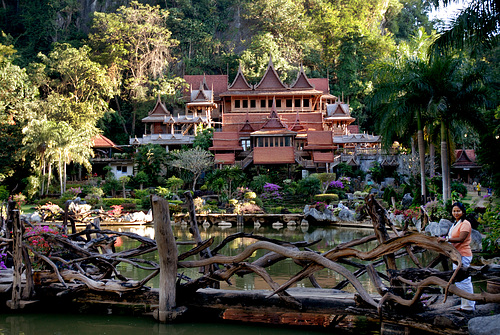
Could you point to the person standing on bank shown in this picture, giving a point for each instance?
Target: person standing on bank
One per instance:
(459, 236)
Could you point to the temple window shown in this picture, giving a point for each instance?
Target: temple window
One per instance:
(287, 142)
(278, 103)
(237, 104)
(253, 103)
(245, 103)
(297, 103)
(305, 102)
(245, 144)
(288, 102)
(263, 104)
(270, 103)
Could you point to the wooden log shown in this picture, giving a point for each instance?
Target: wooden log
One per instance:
(167, 251)
(17, 245)
(375, 278)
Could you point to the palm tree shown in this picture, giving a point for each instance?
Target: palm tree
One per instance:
(421, 90)
(399, 96)
(455, 95)
(477, 24)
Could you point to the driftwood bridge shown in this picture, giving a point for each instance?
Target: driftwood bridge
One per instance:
(79, 272)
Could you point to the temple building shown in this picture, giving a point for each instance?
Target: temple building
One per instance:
(265, 123)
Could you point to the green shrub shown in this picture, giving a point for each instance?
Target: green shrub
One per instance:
(328, 197)
(459, 187)
(4, 194)
(258, 182)
(309, 186)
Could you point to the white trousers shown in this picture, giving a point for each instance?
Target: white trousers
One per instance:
(466, 285)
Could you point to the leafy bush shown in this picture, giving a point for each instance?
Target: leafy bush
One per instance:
(4, 194)
(459, 188)
(258, 183)
(309, 186)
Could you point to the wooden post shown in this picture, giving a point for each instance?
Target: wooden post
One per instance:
(17, 245)
(167, 251)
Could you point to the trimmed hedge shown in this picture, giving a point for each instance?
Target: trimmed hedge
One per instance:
(327, 197)
(108, 202)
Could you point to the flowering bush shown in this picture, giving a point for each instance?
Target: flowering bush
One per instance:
(271, 192)
(116, 211)
(336, 184)
(410, 213)
(35, 239)
(19, 198)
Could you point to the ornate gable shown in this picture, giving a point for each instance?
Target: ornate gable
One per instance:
(202, 94)
(240, 82)
(338, 109)
(273, 120)
(302, 81)
(270, 80)
(159, 109)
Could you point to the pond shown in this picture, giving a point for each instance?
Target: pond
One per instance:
(329, 237)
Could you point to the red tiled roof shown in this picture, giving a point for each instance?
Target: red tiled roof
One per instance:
(317, 140)
(323, 157)
(217, 81)
(101, 141)
(224, 158)
(274, 155)
(320, 84)
(226, 141)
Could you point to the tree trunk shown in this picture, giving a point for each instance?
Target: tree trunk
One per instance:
(445, 164)
(421, 152)
(167, 251)
(50, 176)
(432, 154)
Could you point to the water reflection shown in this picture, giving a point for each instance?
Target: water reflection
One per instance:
(49, 324)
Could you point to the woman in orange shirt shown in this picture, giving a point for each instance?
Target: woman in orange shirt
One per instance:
(459, 236)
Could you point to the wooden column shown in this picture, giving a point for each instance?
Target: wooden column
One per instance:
(167, 251)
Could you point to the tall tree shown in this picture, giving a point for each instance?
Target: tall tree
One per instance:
(135, 44)
(400, 95)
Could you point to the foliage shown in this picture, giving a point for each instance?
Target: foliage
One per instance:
(4, 194)
(195, 160)
(309, 186)
(135, 43)
(152, 160)
(490, 225)
(458, 187)
(258, 183)
(203, 138)
(116, 210)
(325, 178)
